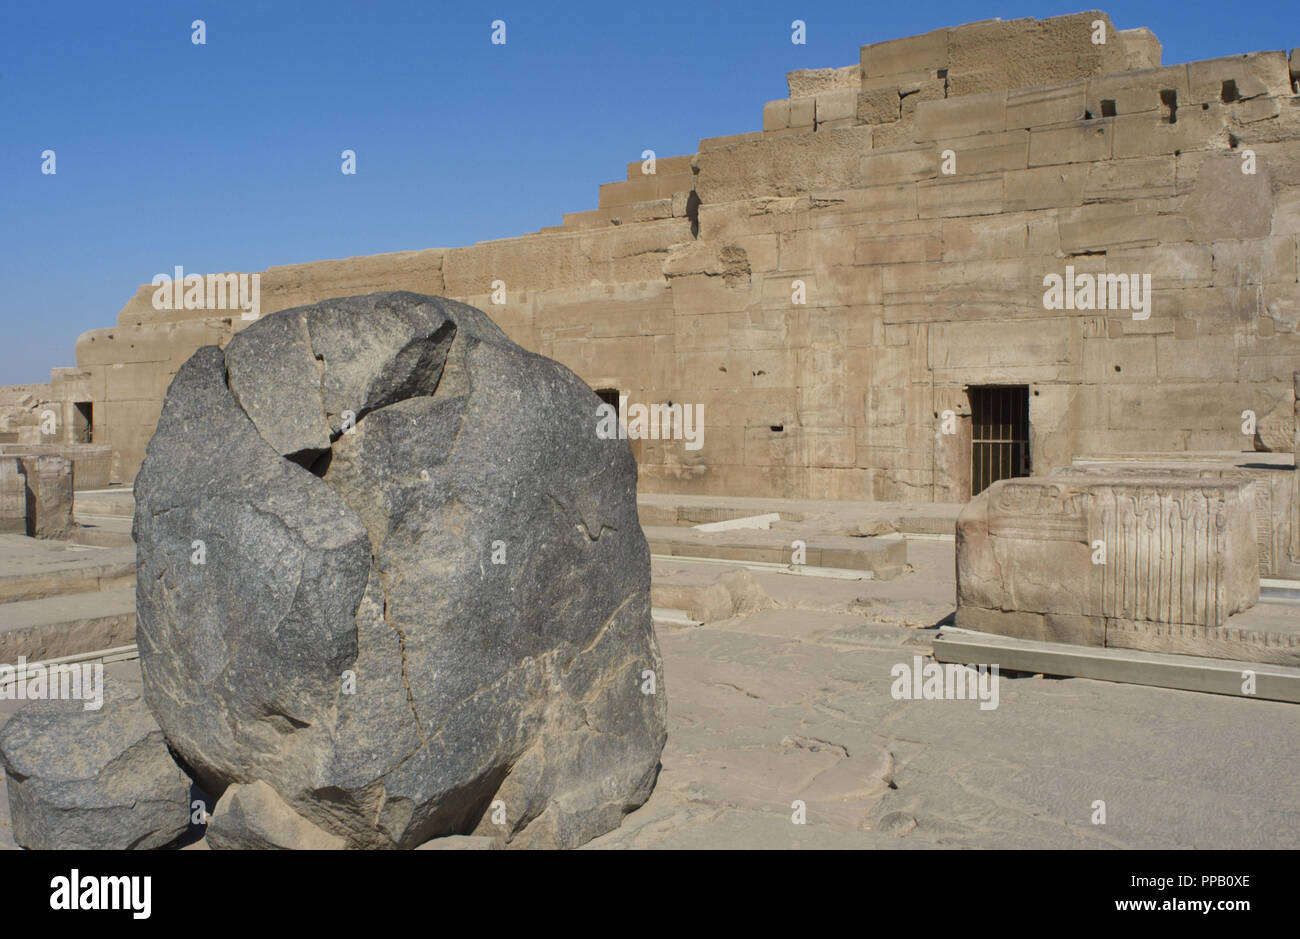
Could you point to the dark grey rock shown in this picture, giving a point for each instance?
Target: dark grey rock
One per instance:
(373, 558)
(92, 779)
(257, 371)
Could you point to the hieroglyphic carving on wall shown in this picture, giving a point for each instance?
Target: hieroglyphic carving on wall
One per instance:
(1264, 528)
(1038, 512)
(1165, 553)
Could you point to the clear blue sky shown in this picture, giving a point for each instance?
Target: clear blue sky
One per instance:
(226, 156)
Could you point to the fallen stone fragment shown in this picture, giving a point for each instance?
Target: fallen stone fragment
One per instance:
(425, 589)
(254, 817)
(461, 843)
(731, 593)
(745, 593)
(92, 779)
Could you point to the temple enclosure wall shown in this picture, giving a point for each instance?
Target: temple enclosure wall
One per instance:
(829, 287)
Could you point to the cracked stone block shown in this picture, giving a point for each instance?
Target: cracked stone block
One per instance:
(1068, 556)
(425, 588)
(255, 818)
(83, 778)
(461, 843)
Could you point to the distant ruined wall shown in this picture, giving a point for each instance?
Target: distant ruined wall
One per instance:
(921, 196)
(27, 412)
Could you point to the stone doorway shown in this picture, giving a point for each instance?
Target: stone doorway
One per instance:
(999, 434)
(83, 422)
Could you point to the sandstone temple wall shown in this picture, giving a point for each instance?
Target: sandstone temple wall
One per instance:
(921, 196)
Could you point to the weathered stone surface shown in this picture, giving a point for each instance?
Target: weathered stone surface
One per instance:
(49, 496)
(712, 597)
(474, 680)
(879, 106)
(461, 843)
(254, 817)
(1019, 53)
(13, 497)
(91, 463)
(1227, 203)
(811, 81)
(92, 779)
(915, 55)
(1069, 549)
(776, 115)
(1142, 47)
(256, 371)
(1136, 169)
(1275, 430)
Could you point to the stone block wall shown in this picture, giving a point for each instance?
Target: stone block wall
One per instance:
(46, 414)
(829, 286)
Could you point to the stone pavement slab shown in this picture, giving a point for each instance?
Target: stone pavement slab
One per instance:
(54, 627)
(31, 568)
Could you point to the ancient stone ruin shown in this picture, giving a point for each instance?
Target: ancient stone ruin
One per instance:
(920, 196)
(1072, 559)
(98, 778)
(329, 632)
(1016, 291)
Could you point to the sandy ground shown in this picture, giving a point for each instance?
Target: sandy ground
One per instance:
(793, 703)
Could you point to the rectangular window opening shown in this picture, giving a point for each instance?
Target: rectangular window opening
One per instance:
(1169, 98)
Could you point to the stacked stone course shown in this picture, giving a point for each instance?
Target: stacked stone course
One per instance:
(920, 195)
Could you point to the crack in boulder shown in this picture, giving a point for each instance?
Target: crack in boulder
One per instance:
(358, 604)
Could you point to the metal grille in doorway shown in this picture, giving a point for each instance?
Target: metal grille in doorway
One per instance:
(999, 434)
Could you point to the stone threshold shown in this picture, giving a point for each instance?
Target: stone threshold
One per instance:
(1127, 666)
(1269, 631)
(101, 656)
(883, 557)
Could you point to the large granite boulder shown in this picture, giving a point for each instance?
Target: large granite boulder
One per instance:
(82, 778)
(387, 566)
